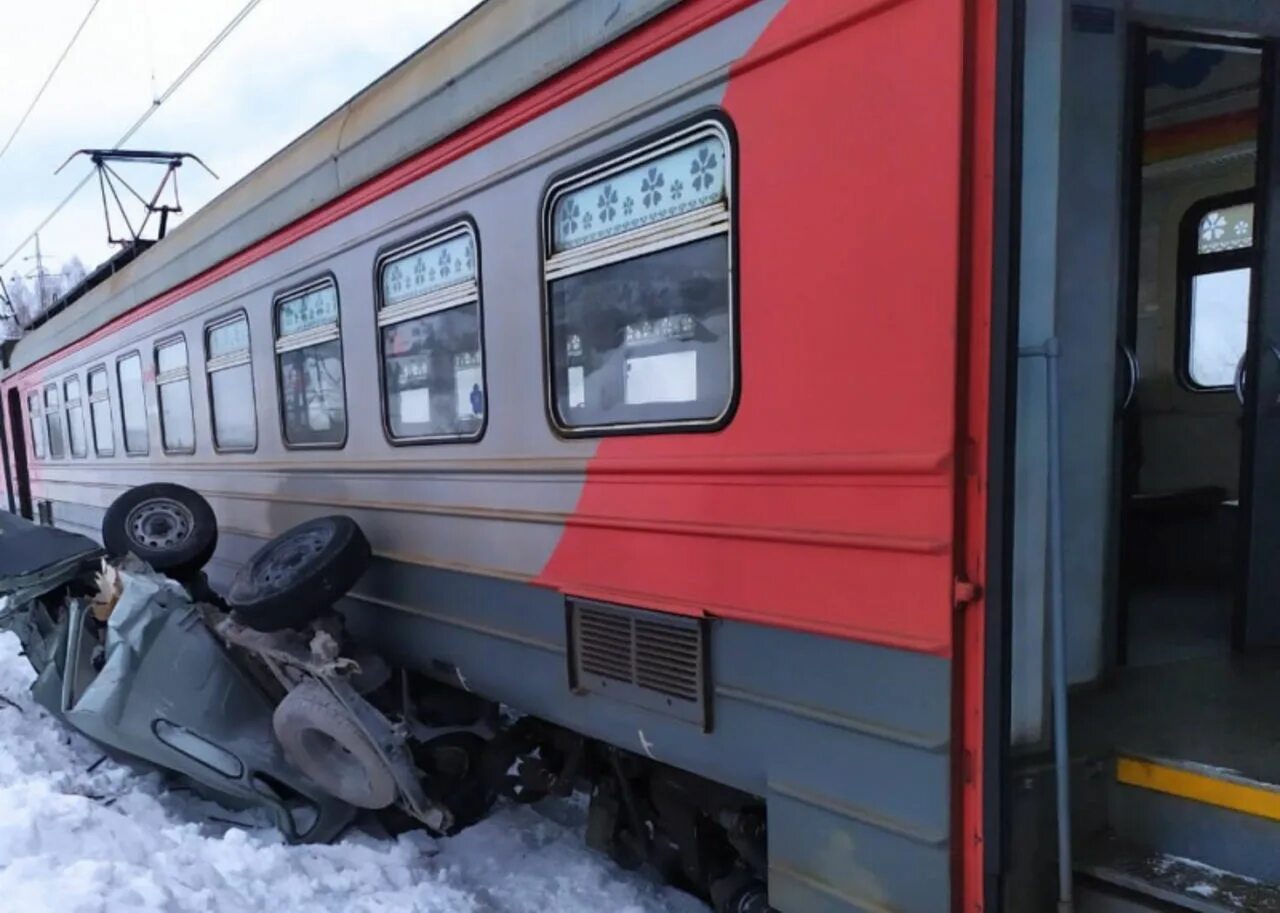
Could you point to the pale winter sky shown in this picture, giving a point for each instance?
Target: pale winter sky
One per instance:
(286, 66)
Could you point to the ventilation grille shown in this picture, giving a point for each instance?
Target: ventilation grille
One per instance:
(641, 657)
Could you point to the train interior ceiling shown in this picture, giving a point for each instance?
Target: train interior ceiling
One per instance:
(1173, 769)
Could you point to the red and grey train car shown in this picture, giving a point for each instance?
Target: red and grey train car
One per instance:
(648, 343)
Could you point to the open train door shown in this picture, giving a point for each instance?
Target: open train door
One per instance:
(17, 477)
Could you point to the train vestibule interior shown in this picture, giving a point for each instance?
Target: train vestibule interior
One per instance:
(1140, 535)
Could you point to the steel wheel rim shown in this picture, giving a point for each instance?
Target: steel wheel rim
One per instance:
(160, 524)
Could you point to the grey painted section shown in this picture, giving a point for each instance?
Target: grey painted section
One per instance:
(503, 48)
(495, 506)
(856, 775)
(1087, 321)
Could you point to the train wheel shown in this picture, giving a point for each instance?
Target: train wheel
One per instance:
(299, 574)
(320, 738)
(170, 527)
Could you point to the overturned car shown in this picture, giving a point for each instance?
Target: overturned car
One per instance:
(258, 700)
(263, 700)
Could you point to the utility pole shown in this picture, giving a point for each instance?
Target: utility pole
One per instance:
(40, 276)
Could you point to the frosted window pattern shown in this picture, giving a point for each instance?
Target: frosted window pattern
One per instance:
(231, 395)
(75, 417)
(641, 324)
(659, 188)
(1228, 228)
(100, 413)
(429, 320)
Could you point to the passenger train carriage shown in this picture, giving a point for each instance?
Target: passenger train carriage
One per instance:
(859, 412)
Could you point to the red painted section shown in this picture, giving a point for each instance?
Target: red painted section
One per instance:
(849, 160)
(973, 406)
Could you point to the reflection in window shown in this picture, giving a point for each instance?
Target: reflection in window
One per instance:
(235, 422)
(133, 403)
(1219, 315)
(100, 413)
(35, 416)
(173, 390)
(309, 355)
(75, 417)
(429, 315)
(641, 322)
(53, 421)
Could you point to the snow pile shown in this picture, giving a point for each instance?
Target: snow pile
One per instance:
(82, 835)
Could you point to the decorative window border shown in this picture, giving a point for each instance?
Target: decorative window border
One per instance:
(442, 297)
(101, 397)
(676, 229)
(310, 337)
(174, 375)
(213, 364)
(1193, 263)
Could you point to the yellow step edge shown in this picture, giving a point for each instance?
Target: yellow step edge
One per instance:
(1223, 789)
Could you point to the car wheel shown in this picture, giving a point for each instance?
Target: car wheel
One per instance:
(170, 527)
(299, 574)
(322, 740)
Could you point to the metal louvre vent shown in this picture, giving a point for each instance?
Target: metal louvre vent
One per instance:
(646, 658)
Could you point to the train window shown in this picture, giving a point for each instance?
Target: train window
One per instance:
(429, 330)
(309, 365)
(104, 444)
(640, 313)
(75, 417)
(53, 422)
(231, 397)
(1216, 262)
(173, 390)
(133, 403)
(35, 414)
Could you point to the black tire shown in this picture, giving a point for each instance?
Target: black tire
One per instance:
(321, 739)
(299, 574)
(170, 527)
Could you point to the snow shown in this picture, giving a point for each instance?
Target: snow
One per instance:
(82, 835)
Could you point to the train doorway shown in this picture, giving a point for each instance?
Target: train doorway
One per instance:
(1177, 744)
(20, 480)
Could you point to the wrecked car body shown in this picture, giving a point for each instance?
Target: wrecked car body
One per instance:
(151, 683)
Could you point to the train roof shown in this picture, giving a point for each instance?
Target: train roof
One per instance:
(498, 51)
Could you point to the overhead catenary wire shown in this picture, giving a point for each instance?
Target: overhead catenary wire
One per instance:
(137, 125)
(48, 79)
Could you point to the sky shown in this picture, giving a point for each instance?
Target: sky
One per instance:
(284, 68)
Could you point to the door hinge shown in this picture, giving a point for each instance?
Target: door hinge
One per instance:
(965, 592)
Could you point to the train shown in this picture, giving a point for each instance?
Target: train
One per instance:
(818, 419)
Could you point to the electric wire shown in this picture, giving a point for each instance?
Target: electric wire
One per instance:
(155, 105)
(48, 79)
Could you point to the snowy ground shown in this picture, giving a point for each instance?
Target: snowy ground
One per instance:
(77, 836)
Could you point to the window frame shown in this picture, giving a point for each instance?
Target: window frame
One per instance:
(53, 413)
(175, 377)
(124, 434)
(66, 410)
(1191, 264)
(36, 414)
(277, 299)
(106, 397)
(442, 231)
(647, 147)
(214, 324)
